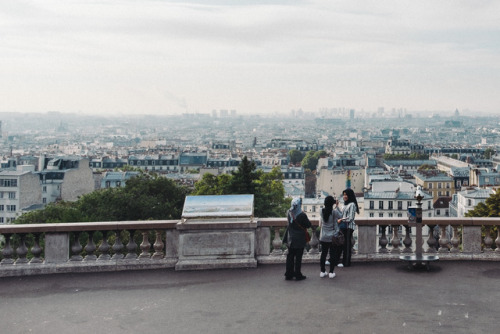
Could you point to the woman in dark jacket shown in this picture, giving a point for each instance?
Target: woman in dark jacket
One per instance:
(295, 239)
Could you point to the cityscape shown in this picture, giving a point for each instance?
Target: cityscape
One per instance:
(58, 156)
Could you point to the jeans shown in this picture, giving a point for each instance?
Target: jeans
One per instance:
(328, 247)
(346, 249)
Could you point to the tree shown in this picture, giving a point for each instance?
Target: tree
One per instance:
(243, 179)
(488, 153)
(144, 197)
(295, 156)
(267, 188)
(311, 158)
(270, 195)
(490, 208)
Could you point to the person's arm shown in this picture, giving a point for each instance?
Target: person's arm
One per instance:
(305, 221)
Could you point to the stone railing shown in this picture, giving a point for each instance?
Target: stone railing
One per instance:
(108, 246)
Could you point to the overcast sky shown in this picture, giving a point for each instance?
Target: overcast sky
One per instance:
(168, 57)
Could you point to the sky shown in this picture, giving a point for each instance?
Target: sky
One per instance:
(255, 57)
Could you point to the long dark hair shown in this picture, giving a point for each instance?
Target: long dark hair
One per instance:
(328, 209)
(351, 198)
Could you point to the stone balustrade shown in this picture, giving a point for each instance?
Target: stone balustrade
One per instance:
(139, 245)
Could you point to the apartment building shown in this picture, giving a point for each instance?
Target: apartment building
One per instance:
(466, 200)
(19, 189)
(435, 182)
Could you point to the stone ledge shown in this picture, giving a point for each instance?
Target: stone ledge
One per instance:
(10, 270)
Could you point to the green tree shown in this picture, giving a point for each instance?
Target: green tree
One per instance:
(295, 156)
(311, 158)
(243, 179)
(144, 197)
(490, 208)
(212, 185)
(488, 153)
(267, 188)
(270, 195)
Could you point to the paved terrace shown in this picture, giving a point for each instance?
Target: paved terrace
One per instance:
(369, 297)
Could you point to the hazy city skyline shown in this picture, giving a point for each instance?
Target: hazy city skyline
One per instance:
(171, 57)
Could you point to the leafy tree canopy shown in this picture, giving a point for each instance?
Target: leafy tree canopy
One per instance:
(267, 188)
(311, 158)
(144, 197)
(411, 156)
(490, 208)
(295, 156)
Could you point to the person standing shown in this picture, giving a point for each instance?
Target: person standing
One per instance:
(329, 228)
(295, 239)
(347, 224)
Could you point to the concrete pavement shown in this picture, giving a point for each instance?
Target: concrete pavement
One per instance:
(453, 297)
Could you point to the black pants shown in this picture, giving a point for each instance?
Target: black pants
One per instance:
(346, 250)
(328, 247)
(294, 262)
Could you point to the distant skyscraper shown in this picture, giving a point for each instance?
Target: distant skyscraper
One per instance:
(223, 113)
(233, 113)
(351, 114)
(457, 114)
(214, 113)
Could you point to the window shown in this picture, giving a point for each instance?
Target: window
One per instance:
(390, 215)
(2, 208)
(8, 183)
(391, 205)
(439, 185)
(381, 215)
(400, 205)
(118, 183)
(44, 200)
(372, 205)
(469, 202)
(305, 208)
(428, 205)
(108, 184)
(381, 205)
(371, 214)
(408, 204)
(430, 214)
(400, 215)
(11, 208)
(447, 184)
(12, 195)
(430, 185)
(459, 184)
(1, 220)
(44, 189)
(448, 193)
(438, 212)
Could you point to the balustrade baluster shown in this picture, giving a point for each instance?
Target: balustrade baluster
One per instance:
(395, 239)
(7, 251)
(277, 243)
(497, 240)
(383, 240)
(104, 248)
(90, 248)
(443, 240)
(145, 246)
(76, 248)
(407, 240)
(117, 247)
(431, 241)
(22, 250)
(158, 246)
(131, 246)
(488, 241)
(36, 250)
(314, 241)
(455, 241)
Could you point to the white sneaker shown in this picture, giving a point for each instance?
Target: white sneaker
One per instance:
(340, 265)
(322, 274)
(331, 275)
(327, 262)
